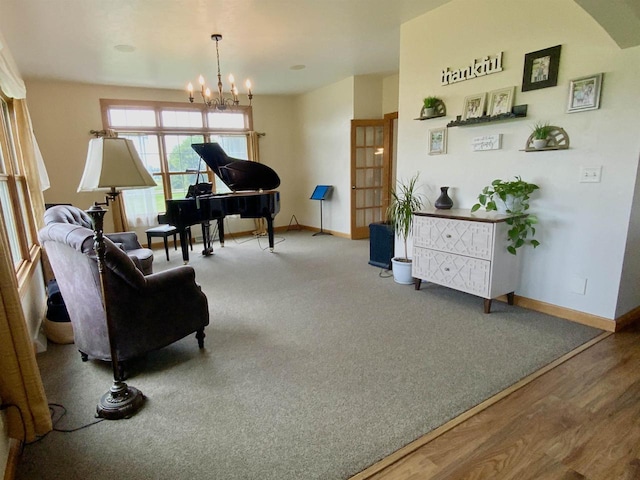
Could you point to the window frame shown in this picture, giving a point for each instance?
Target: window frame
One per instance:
(21, 211)
(160, 131)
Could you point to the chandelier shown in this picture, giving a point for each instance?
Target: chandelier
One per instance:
(219, 101)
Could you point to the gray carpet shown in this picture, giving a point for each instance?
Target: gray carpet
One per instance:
(316, 366)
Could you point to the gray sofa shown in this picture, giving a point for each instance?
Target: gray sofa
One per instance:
(128, 241)
(149, 311)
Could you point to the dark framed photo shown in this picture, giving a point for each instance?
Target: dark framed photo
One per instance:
(541, 69)
(584, 93)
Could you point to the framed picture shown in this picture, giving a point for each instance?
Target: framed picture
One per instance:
(584, 93)
(473, 106)
(541, 69)
(438, 141)
(500, 101)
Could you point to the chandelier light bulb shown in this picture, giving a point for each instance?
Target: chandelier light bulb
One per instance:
(201, 80)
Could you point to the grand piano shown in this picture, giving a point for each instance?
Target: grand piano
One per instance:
(254, 196)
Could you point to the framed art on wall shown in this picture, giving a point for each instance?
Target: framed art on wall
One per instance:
(500, 101)
(473, 106)
(584, 93)
(541, 69)
(438, 141)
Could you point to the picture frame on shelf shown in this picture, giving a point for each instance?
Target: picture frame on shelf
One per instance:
(500, 101)
(473, 106)
(584, 93)
(437, 141)
(541, 68)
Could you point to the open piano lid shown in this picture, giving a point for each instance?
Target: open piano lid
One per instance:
(237, 174)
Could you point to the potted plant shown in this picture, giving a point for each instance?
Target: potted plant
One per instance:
(404, 201)
(430, 104)
(541, 132)
(512, 197)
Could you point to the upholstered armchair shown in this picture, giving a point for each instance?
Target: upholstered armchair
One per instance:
(128, 241)
(149, 311)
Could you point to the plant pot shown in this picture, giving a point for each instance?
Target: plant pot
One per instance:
(539, 143)
(429, 111)
(402, 270)
(511, 203)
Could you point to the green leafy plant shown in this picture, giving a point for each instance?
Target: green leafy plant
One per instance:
(404, 201)
(431, 102)
(515, 196)
(541, 131)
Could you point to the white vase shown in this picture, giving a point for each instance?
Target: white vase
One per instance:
(402, 271)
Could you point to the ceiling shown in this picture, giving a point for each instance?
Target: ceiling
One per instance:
(82, 40)
(265, 40)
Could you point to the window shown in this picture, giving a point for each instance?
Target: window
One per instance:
(163, 134)
(14, 194)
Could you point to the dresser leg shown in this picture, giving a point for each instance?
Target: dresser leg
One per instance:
(416, 283)
(510, 298)
(487, 305)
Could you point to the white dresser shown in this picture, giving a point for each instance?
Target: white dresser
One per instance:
(465, 251)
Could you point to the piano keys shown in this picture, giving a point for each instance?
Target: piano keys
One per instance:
(184, 212)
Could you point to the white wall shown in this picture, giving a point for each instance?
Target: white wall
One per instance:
(324, 136)
(628, 295)
(390, 86)
(583, 227)
(367, 92)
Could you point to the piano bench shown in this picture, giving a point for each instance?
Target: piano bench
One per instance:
(165, 231)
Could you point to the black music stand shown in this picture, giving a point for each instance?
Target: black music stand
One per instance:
(321, 192)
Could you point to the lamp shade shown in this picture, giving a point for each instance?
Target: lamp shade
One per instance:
(113, 163)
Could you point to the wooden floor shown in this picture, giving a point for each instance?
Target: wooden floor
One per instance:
(580, 420)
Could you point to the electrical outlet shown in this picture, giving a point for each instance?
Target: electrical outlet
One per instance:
(590, 174)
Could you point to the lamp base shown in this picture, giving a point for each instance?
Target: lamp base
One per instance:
(121, 401)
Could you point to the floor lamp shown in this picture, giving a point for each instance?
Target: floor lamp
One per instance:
(113, 164)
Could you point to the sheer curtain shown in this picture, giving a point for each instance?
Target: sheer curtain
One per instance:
(254, 156)
(141, 207)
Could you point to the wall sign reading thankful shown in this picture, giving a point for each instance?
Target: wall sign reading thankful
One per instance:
(485, 66)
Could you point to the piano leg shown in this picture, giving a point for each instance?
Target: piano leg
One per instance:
(221, 231)
(269, 220)
(206, 238)
(184, 245)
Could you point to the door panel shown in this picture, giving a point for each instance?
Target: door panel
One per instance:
(368, 174)
(372, 153)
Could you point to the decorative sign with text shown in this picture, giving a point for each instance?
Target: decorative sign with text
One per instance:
(478, 68)
(487, 142)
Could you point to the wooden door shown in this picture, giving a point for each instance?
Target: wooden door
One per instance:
(371, 153)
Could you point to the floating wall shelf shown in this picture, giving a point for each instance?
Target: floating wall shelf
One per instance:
(440, 111)
(557, 140)
(519, 111)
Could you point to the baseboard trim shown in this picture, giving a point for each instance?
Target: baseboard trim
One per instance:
(628, 319)
(583, 318)
(15, 447)
(416, 444)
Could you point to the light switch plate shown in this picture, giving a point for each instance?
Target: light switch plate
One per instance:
(590, 174)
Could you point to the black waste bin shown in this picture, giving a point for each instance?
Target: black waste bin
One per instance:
(381, 244)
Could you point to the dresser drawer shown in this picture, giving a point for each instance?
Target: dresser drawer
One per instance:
(463, 273)
(473, 239)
